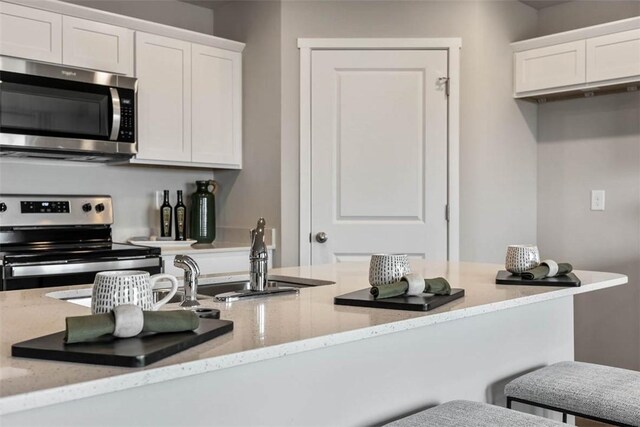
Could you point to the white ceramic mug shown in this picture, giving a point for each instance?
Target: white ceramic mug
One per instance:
(112, 288)
(385, 269)
(521, 258)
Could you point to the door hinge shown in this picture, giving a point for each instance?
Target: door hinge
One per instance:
(446, 213)
(445, 81)
(310, 238)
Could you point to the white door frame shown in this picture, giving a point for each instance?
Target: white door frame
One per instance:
(452, 46)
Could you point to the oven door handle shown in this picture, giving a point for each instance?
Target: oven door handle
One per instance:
(115, 103)
(85, 267)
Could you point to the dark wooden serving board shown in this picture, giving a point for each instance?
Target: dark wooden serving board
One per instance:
(424, 302)
(505, 278)
(135, 352)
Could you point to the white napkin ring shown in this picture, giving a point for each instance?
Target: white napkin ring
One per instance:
(553, 267)
(129, 320)
(416, 283)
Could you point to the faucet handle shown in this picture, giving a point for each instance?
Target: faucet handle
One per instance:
(187, 263)
(260, 225)
(257, 238)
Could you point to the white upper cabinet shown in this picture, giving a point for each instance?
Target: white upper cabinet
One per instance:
(588, 61)
(163, 69)
(189, 104)
(30, 33)
(550, 67)
(90, 44)
(613, 56)
(216, 106)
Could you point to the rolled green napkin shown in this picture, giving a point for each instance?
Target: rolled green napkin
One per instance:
(85, 328)
(438, 286)
(541, 271)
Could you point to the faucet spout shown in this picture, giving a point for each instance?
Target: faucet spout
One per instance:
(258, 258)
(191, 274)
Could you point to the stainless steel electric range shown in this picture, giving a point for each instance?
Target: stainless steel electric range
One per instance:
(58, 240)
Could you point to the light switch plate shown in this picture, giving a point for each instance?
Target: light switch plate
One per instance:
(597, 200)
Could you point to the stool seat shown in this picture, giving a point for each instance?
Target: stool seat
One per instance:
(599, 392)
(459, 413)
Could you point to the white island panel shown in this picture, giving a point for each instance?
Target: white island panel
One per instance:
(276, 330)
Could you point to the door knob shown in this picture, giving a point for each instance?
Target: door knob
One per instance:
(321, 237)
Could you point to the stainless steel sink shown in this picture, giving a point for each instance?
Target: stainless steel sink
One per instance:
(241, 289)
(240, 284)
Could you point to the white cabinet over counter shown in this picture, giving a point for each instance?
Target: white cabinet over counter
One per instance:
(163, 67)
(189, 103)
(550, 67)
(216, 106)
(585, 62)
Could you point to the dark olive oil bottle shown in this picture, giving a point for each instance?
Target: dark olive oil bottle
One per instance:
(180, 218)
(165, 216)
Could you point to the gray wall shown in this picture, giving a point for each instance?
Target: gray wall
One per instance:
(589, 144)
(132, 187)
(255, 190)
(168, 12)
(498, 141)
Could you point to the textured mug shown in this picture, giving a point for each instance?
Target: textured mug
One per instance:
(521, 258)
(113, 288)
(385, 269)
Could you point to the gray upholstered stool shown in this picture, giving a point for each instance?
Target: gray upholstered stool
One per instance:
(600, 393)
(463, 413)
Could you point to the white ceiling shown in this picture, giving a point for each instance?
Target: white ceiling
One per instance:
(538, 4)
(541, 4)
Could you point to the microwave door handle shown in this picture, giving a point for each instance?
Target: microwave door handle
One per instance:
(115, 102)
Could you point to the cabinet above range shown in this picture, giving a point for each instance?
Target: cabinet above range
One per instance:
(189, 110)
(584, 62)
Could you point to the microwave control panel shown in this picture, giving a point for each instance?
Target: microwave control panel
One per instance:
(127, 119)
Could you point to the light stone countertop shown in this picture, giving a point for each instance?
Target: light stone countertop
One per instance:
(264, 328)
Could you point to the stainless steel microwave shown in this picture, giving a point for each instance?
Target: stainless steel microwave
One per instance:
(54, 111)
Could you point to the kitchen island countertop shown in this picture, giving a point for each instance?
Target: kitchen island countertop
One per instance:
(264, 329)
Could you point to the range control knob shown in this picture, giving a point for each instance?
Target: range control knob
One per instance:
(3, 206)
(86, 207)
(99, 207)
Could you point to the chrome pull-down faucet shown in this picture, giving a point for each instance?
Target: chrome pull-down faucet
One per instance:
(191, 274)
(258, 258)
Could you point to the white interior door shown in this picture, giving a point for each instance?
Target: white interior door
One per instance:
(378, 154)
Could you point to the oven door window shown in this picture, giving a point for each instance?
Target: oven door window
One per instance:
(50, 107)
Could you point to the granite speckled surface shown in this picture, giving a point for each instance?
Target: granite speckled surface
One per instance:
(264, 328)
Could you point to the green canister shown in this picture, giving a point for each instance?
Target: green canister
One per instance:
(203, 212)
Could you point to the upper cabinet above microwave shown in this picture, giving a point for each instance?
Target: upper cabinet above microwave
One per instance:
(40, 35)
(104, 47)
(585, 62)
(30, 33)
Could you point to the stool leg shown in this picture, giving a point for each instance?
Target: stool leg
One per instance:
(508, 403)
(564, 417)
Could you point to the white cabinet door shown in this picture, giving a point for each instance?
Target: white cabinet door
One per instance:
(163, 68)
(30, 33)
(613, 56)
(379, 154)
(550, 67)
(216, 106)
(98, 46)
